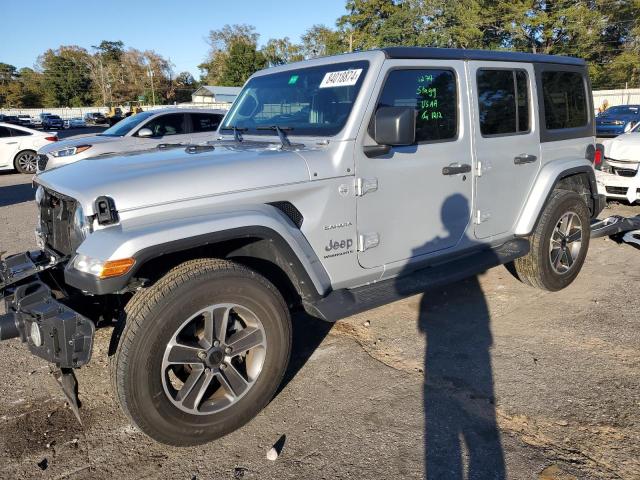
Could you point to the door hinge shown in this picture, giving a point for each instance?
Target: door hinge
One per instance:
(367, 241)
(481, 217)
(366, 185)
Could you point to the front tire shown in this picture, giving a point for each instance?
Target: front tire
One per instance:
(559, 244)
(26, 162)
(202, 352)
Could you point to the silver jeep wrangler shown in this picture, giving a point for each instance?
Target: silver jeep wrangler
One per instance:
(333, 185)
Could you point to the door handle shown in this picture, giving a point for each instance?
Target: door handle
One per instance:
(456, 168)
(524, 158)
(11, 143)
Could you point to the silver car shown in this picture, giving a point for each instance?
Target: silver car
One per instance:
(143, 131)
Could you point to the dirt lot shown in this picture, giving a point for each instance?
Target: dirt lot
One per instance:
(486, 379)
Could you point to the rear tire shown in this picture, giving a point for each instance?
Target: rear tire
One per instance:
(169, 319)
(556, 256)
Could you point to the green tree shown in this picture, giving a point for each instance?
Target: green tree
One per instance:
(67, 77)
(185, 85)
(320, 41)
(279, 51)
(220, 43)
(242, 61)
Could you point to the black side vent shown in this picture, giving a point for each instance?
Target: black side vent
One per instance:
(290, 211)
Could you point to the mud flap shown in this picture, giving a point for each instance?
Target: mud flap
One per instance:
(66, 378)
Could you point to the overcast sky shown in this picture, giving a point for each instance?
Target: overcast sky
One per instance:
(174, 29)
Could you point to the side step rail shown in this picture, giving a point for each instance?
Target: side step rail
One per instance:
(345, 302)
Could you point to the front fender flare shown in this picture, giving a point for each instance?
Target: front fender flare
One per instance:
(154, 237)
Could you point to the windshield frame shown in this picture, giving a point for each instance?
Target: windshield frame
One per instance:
(261, 130)
(140, 117)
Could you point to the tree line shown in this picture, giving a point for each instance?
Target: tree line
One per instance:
(606, 33)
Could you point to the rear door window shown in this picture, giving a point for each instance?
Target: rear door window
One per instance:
(503, 101)
(4, 132)
(565, 100)
(432, 93)
(18, 133)
(205, 122)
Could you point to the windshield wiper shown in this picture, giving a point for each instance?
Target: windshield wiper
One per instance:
(237, 132)
(281, 135)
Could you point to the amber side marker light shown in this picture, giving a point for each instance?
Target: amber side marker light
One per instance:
(115, 268)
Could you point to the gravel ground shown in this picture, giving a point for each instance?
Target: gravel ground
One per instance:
(485, 379)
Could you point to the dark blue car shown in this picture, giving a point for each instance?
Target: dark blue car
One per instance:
(616, 120)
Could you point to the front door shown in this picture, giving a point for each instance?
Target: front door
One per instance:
(8, 147)
(507, 143)
(416, 199)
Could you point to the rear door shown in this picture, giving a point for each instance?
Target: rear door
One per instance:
(507, 143)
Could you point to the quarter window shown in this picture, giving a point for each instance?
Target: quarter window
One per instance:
(503, 101)
(432, 93)
(205, 122)
(18, 133)
(565, 100)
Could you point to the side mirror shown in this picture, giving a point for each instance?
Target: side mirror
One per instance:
(145, 133)
(392, 126)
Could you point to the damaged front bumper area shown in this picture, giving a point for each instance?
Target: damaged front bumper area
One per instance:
(50, 329)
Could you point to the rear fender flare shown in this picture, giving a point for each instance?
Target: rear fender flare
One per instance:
(548, 178)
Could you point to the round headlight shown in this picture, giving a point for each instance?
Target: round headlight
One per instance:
(35, 335)
(80, 224)
(39, 194)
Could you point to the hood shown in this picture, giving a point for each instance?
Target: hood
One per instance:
(624, 147)
(151, 178)
(74, 142)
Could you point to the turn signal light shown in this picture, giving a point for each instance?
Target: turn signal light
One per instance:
(115, 268)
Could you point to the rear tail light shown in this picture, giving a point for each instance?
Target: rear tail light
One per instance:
(51, 139)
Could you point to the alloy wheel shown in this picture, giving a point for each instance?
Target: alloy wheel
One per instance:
(565, 243)
(213, 359)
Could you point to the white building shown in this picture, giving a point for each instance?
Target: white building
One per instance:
(215, 94)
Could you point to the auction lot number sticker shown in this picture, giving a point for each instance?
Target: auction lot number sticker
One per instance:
(343, 78)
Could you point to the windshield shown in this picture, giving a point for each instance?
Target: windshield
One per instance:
(309, 101)
(123, 127)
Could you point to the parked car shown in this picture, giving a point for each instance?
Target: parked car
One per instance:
(13, 119)
(76, 122)
(338, 184)
(52, 122)
(18, 147)
(619, 175)
(25, 120)
(142, 131)
(95, 118)
(617, 120)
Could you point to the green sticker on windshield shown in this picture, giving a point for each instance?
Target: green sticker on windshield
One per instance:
(293, 79)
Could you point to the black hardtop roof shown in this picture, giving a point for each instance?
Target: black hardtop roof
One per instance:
(464, 54)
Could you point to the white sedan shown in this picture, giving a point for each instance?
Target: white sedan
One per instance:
(619, 176)
(18, 147)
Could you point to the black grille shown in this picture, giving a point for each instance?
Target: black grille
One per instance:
(617, 190)
(290, 211)
(624, 172)
(42, 162)
(56, 223)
